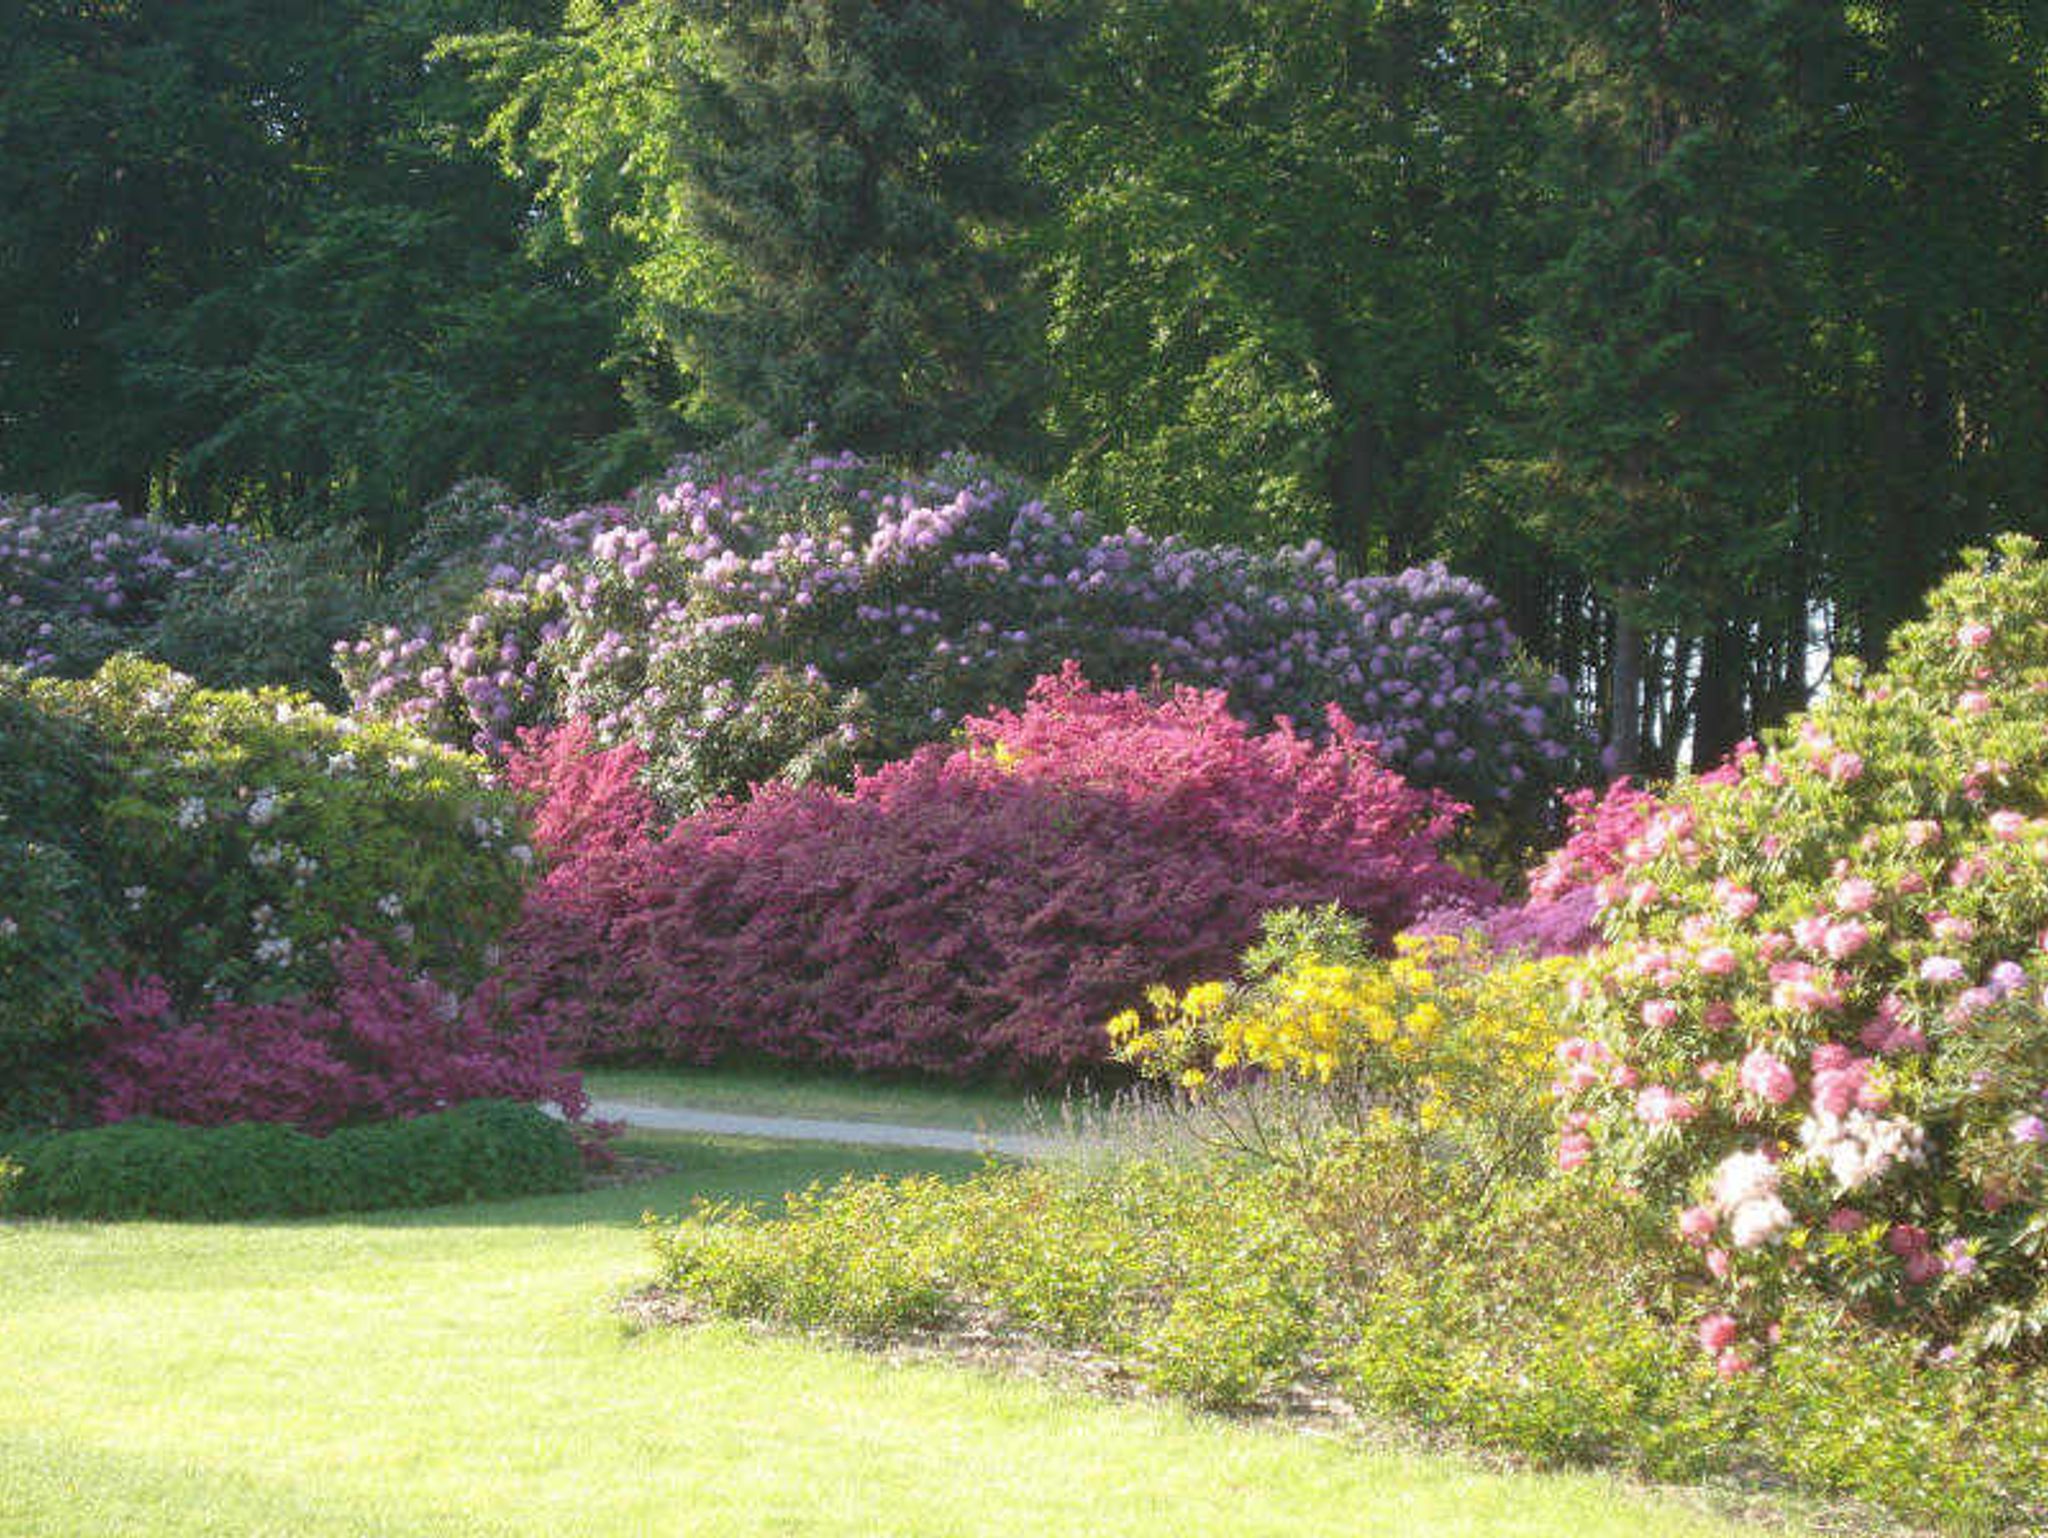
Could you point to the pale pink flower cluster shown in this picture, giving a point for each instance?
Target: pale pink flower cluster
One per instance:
(1658, 1106)
(1859, 1147)
(1745, 1195)
(1804, 989)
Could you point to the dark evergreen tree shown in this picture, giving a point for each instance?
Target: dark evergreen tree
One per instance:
(250, 266)
(1650, 435)
(816, 199)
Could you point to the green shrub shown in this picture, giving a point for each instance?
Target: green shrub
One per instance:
(1539, 1317)
(1963, 1447)
(860, 1257)
(273, 620)
(1212, 1300)
(144, 1169)
(236, 835)
(1535, 1325)
(54, 935)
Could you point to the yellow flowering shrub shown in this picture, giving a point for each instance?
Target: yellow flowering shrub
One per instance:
(1439, 1039)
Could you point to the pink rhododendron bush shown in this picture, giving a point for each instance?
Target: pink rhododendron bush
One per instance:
(1818, 1028)
(979, 908)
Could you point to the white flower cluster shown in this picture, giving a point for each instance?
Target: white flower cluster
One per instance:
(488, 830)
(391, 905)
(272, 949)
(266, 856)
(1745, 1190)
(264, 807)
(1860, 1147)
(192, 812)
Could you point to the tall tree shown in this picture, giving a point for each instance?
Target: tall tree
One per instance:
(1931, 412)
(1277, 262)
(1651, 439)
(821, 194)
(250, 265)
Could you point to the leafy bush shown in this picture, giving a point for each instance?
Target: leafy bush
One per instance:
(973, 909)
(143, 1169)
(821, 614)
(1820, 1027)
(1536, 1316)
(54, 936)
(384, 1045)
(81, 582)
(275, 619)
(1213, 1300)
(1437, 1045)
(236, 836)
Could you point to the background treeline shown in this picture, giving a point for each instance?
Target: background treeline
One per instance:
(1687, 327)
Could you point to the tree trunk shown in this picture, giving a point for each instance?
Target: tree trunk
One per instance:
(1354, 486)
(1717, 716)
(1624, 692)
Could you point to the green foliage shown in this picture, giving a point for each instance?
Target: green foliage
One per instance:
(808, 201)
(857, 1257)
(275, 622)
(1524, 1325)
(143, 1169)
(1275, 264)
(1965, 1450)
(54, 928)
(1212, 1300)
(55, 935)
(238, 834)
(232, 282)
(1541, 1321)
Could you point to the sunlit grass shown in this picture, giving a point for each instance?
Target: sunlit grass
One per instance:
(459, 1372)
(768, 1090)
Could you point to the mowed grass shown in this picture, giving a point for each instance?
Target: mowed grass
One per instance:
(769, 1090)
(459, 1372)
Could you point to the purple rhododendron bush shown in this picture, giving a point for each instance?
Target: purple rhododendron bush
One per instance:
(1818, 1027)
(80, 581)
(815, 615)
(974, 909)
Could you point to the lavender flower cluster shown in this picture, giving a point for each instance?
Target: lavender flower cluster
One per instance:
(81, 581)
(825, 614)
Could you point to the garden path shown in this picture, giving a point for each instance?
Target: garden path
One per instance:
(805, 1129)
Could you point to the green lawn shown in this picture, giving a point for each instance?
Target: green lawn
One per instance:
(457, 1372)
(767, 1090)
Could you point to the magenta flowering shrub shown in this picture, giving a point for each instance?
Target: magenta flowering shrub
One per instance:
(823, 614)
(972, 909)
(1819, 1028)
(382, 1045)
(1560, 916)
(80, 581)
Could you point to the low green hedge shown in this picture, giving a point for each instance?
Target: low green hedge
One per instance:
(148, 1169)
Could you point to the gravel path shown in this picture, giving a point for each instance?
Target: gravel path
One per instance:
(804, 1129)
